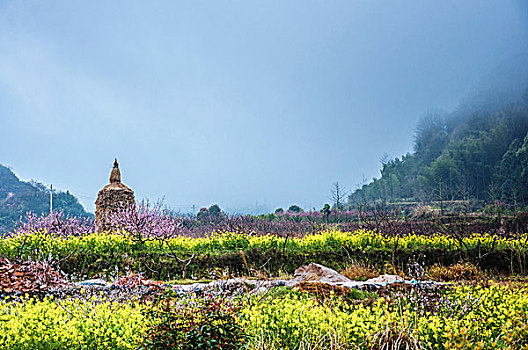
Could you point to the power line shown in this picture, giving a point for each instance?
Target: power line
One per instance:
(76, 193)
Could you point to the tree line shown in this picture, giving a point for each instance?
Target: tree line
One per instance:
(471, 155)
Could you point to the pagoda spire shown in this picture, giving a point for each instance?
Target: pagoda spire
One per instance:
(115, 175)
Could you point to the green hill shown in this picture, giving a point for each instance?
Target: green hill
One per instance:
(477, 152)
(17, 197)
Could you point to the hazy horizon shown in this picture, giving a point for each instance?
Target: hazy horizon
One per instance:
(241, 104)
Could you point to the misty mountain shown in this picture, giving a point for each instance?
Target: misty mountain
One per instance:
(506, 84)
(477, 152)
(18, 197)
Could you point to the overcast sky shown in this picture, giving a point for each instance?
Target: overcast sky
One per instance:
(234, 102)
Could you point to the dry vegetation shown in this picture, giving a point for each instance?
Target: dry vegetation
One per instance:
(462, 271)
(359, 271)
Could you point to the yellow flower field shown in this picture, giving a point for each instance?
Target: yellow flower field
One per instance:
(492, 317)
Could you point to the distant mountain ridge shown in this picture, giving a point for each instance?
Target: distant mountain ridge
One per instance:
(18, 197)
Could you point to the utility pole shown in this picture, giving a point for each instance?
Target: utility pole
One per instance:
(51, 199)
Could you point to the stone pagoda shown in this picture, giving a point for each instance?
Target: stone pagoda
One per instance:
(111, 198)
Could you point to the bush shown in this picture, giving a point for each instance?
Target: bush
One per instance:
(187, 323)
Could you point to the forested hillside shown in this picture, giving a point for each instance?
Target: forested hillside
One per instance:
(477, 152)
(17, 197)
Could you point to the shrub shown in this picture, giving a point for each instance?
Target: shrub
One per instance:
(206, 322)
(295, 209)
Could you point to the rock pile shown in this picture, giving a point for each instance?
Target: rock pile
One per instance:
(317, 273)
(28, 277)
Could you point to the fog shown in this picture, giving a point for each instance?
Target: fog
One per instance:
(251, 105)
